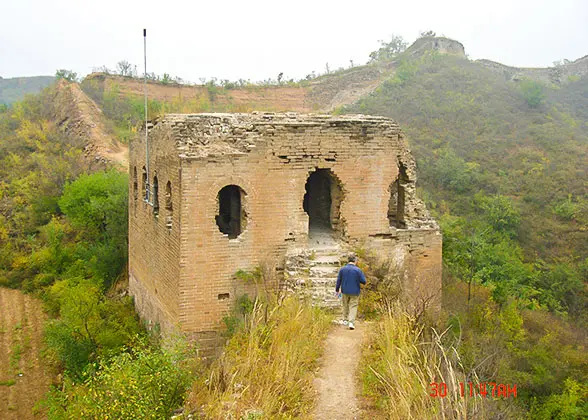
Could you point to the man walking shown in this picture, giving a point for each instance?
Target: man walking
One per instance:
(348, 280)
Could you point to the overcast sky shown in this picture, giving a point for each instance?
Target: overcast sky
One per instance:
(257, 39)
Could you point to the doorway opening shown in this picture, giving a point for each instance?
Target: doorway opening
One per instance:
(397, 199)
(322, 202)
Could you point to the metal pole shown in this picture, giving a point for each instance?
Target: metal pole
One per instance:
(147, 184)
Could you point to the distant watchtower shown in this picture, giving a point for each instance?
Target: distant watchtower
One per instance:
(232, 191)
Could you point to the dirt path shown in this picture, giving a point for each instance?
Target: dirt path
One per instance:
(335, 383)
(24, 377)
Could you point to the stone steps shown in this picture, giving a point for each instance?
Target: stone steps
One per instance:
(312, 272)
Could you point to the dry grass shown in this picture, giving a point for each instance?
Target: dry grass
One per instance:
(401, 366)
(267, 368)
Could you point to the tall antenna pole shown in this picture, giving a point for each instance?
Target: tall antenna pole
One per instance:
(147, 185)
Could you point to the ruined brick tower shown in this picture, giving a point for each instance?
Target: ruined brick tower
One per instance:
(234, 191)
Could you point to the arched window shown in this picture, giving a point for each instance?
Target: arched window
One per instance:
(135, 185)
(168, 205)
(168, 196)
(144, 186)
(155, 196)
(231, 218)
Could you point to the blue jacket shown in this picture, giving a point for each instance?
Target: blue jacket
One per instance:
(349, 278)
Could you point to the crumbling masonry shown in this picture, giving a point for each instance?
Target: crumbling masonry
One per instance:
(232, 192)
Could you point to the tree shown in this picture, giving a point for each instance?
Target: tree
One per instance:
(426, 34)
(68, 75)
(96, 205)
(124, 68)
(388, 50)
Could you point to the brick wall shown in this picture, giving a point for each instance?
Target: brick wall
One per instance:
(154, 248)
(188, 274)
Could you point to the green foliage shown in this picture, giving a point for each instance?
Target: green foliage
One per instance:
(63, 237)
(36, 160)
(213, 90)
(89, 326)
(499, 212)
(388, 50)
(506, 344)
(562, 288)
(405, 71)
(532, 92)
(571, 404)
(567, 209)
(96, 204)
(68, 75)
(236, 320)
(140, 383)
(453, 173)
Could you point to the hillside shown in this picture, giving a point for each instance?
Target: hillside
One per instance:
(14, 89)
(473, 130)
(501, 157)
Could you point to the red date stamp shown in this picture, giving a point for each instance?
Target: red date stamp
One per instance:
(470, 389)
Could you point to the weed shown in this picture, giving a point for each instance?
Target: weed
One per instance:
(9, 382)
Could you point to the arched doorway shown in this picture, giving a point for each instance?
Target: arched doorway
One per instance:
(322, 202)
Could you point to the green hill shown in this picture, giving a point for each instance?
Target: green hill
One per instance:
(498, 157)
(15, 89)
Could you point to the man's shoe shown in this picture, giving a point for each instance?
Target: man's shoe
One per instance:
(351, 326)
(345, 322)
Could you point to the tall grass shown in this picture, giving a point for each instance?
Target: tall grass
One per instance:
(267, 367)
(401, 365)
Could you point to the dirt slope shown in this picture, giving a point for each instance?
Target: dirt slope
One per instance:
(24, 376)
(79, 115)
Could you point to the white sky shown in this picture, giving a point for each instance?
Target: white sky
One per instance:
(257, 39)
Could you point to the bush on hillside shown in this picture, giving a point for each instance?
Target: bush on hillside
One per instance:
(140, 383)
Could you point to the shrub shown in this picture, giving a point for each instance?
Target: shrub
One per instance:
(140, 383)
(532, 93)
(89, 325)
